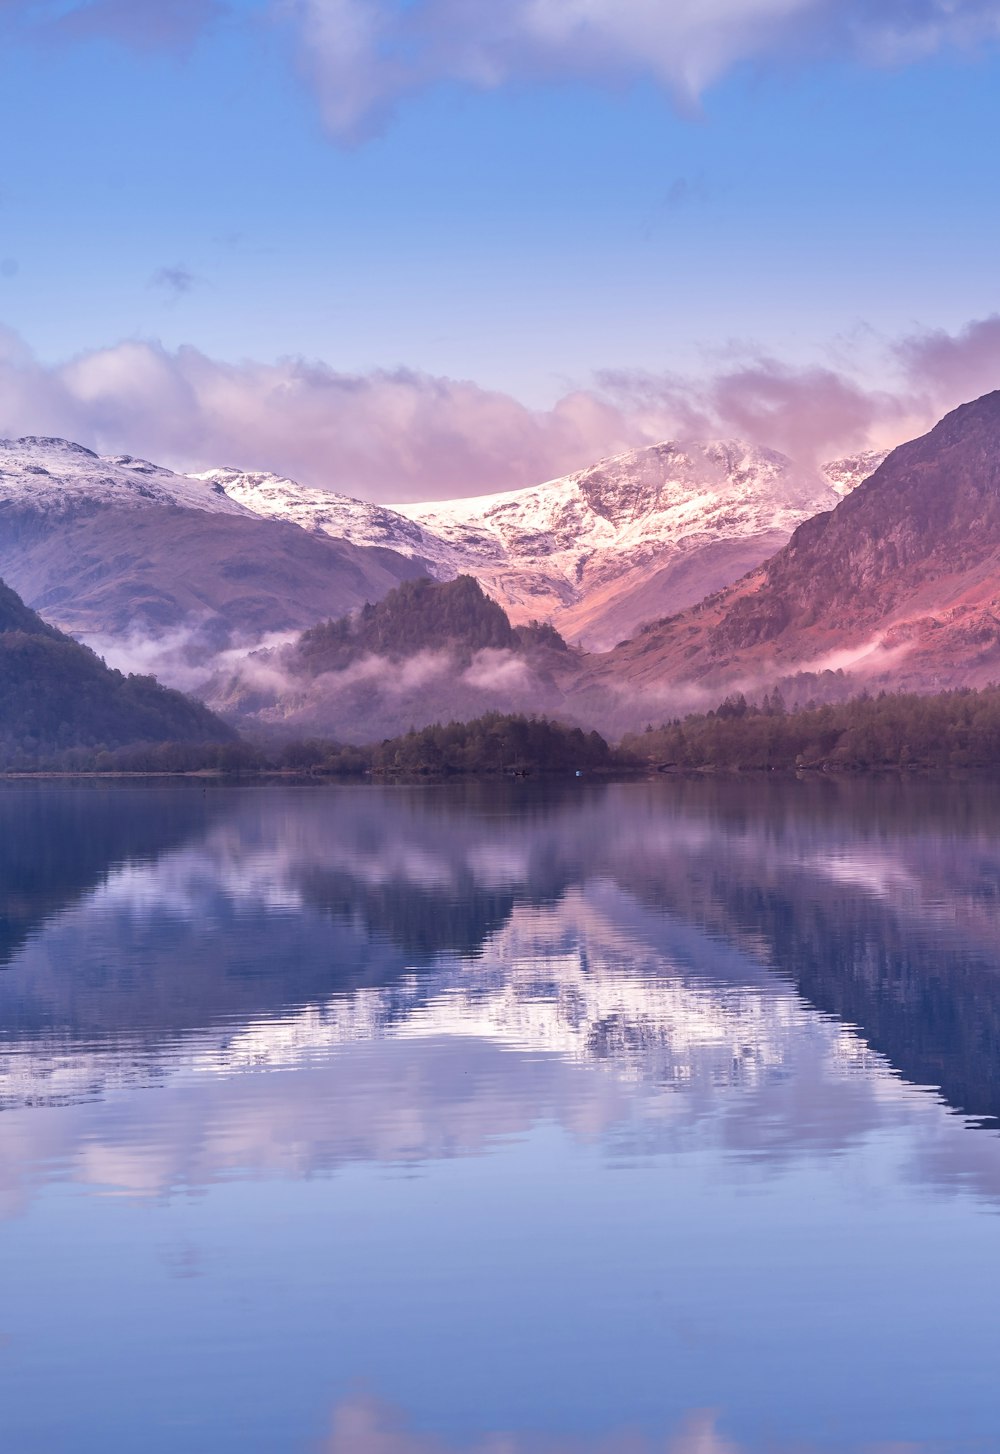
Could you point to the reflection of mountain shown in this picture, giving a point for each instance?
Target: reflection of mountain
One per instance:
(651, 928)
(277, 903)
(887, 919)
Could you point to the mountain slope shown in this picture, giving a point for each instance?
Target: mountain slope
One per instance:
(900, 583)
(598, 552)
(430, 651)
(56, 694)
(115, 548)
(546, 551)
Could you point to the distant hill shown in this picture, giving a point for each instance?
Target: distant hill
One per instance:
(421, 615)
(117, 550)
(899, 585)
(56, 695)
(429, 651)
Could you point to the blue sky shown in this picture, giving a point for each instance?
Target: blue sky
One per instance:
(808, 199)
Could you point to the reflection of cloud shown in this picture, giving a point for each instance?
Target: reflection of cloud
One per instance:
(573, 1017)
(579, 964)
(364, 1425)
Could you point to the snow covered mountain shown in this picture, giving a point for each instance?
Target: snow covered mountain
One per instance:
(57, 477)
(846, 474)
(125, 554)
(598, 552)
(119, 550)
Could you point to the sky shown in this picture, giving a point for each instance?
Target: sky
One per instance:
(417, 248)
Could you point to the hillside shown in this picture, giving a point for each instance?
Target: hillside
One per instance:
(429, 651)
(598, 552)
(900, 584)
(119, 551)
(56, 695)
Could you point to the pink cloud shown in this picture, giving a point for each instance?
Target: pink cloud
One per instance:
(363, 1425)
(392, 434)
(401, 434)
(951, 366)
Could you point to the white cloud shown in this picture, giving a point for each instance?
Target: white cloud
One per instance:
(365, 55)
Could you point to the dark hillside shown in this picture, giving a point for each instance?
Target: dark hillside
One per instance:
(56, 694)
(420, 615)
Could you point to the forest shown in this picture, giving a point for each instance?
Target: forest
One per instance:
(493, 745)
(890, 730)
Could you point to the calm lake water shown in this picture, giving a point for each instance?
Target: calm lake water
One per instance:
(633, 1119)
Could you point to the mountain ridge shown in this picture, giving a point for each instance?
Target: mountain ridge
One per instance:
(597, 552)
(900, 582)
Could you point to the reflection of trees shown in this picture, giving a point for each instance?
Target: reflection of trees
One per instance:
(914, 964)
(58, 841)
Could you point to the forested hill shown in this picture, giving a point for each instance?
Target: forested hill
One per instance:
(56, 695)
(16, 616)
(420, 615)
(958, 729)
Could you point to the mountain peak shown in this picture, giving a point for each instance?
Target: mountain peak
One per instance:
(900, 582)
(59, 478)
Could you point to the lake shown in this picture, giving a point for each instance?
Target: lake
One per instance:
(646, 1118)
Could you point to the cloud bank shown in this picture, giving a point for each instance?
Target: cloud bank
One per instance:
(364, 56)
(399, 435)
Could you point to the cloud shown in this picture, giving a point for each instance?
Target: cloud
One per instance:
(400, 434)
(809, 413)
(949, 366)
(173, 281)
(140, 24)
(364, 56)
(391, 434)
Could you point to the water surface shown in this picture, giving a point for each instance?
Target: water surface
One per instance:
(642, 1119)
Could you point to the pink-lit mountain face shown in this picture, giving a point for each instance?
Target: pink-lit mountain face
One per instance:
(599, 552)
(899, 585)
(117, 548)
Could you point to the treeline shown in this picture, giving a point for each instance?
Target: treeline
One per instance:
(493, 745)
(956, 729)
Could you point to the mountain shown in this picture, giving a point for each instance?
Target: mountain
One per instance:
(163, 571)
(116, 548)
(429, 651)
(899, 584)
(56, 694)
(598, 552)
